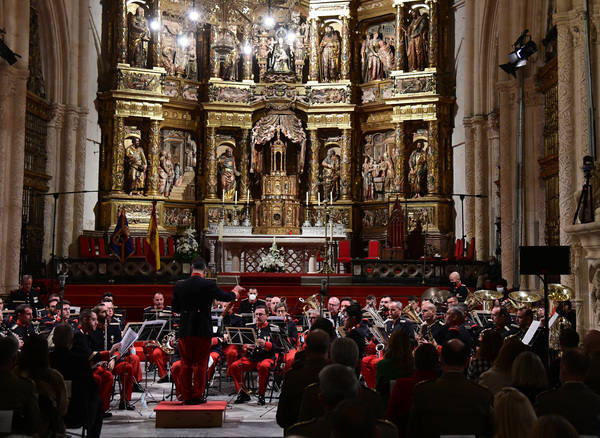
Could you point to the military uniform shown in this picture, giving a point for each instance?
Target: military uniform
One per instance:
(21, 330)
(436, 329)
(247, 307)
(32, 298)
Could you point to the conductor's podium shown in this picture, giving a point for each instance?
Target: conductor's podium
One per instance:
(171, 414)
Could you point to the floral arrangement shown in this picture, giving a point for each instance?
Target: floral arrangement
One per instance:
(186, 246)
(273, 260)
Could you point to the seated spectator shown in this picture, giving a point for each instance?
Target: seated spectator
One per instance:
(513, 414)
(295, 380)
(490, 342)
(16, 393)
(451, 404)
(85, 405)
(351, 418)
(553, 426)
(499, 375)
(336, 383)
(397, 362)
(427, 367)
(591, 347)
(567, 338)
(529, 375)
(574, 400)
(34, 364)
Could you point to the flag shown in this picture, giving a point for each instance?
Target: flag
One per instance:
(152, 241)
(120, 241)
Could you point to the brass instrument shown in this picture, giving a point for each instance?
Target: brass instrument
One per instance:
(379, 348)
(472, 301)
(558, 293)
(375, 316)
(412, 314)
(311, 303)
(526, 298)
(487, 296)
(436, 296)
(167, 344)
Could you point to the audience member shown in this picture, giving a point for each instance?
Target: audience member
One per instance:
(567, 338)
(300, 376)
(574, 400)
(355, 328)
(499, 375)
(16, 393)
(34, 364)
(513, 414)
(529, 375)
(427, 367)
(451, 404)
(490, 342)
(553, 426)
(351, 418)
(591, 347)
(397, 362)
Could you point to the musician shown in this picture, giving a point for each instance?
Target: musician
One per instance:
(65, 315)
(452, 301)
(230, 319)
(249, 304)
(156, 355)
(268, 300)
(370, 302)
(455, 329)
(397, 322)
(192, 299)
(158, 305)
(432, 330)
(458, 289)
(260, 357)
(501, 318)
(291, 334)
(23, 327)
(27, 294)
(49, 317)
(524, 321)
(275, 301)
(355, 328)
(110, 315)
(413, 303)
(333, 305)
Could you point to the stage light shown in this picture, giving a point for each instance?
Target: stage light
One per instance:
(194, 15)
(183, 41)
(247, 49)
(524, 47)
(154, 24)
(269, 22)
(291, 37)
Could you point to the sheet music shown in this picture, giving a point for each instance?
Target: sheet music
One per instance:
(529, 335)
(553, 319)
(127, 341)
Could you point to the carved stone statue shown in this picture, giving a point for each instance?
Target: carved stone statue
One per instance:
(331, 175)
(165, 173)
(417, 175)
(281, 58)
(367, 174)
(228, 172)
(136, 167)
(330, 55)
(417, 34)
(138, 38)
(387, 169)
(190, 154)
(374, 68)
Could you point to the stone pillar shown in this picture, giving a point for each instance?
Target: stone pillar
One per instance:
(79, 199)
(433, 33)
(118, 155)
(481, 219)
(313, 67)
(433, 159)
(244, 165)
(400, 59)
(469, 226)
(399, 160)
(64, 218)
(211, 163)
(345, 49)
(153, 152)
(313, 183)
(345, 170)
(156, 37)
(493, 183)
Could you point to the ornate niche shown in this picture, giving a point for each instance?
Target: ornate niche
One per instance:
(135, 162)
(377, 51)
(330, 169)
(178, 54)
(378, 168)
(227, 168)
(420, 175)
(177, 165)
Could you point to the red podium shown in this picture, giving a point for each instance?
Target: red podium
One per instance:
(177, 415)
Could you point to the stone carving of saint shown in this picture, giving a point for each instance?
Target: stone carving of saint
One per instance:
(387, 171)
(417, 175)
(177, 176)
(331, 175)
(136, 167)
(191, 67)
(165, 173)
(281, 57)
(190, 154)
(417, 34)
(228, 172)
(138, 38)
(330, 55)
(374, 63)
(386, 55)
(367, 174)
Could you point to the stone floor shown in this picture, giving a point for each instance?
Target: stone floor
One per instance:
(245, 420)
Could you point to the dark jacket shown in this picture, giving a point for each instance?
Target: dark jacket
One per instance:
(192, 299)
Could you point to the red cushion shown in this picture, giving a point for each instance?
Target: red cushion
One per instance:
(101, 248)
(373, 250)
(84, 247)
(171, 247)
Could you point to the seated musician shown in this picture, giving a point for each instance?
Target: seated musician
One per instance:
(275, 301)
(291, 335)
(370, 302)
(432, 329)
(384, 306)
(26, 294)
(23, 327)
(501, 319)
(49, 315)
(333, 305)
(156, 355)
(104, 362)
(260, 357)
(158, 306)
(455, 329)
(231, 352)
(355, 328)
(110, 314)
(248, 305)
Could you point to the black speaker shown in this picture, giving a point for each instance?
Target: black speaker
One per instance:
(551, 260)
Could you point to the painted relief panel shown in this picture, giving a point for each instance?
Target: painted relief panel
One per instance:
(377, 52)
(378, 165)
(177, 165)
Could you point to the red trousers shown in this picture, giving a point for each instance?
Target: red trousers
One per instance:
(288, 360)
(239, 367)
(176, 375)
(368, 369)
(134, 361)
(126, 372)
(104, 380)
(159, 358)
(231, 353)
(216, 357)
(194, 351)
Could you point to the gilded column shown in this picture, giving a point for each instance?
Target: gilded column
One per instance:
(214, 56)
(433, 33)
(433, 159)
(399, 159)
(345, 56)
(314, 165)
(313, 68)
(400, 60)
(122, 32)
(211, 164)
(345, 169)
(153, 151)
(118, 155)
(481, 204)
(245, 157)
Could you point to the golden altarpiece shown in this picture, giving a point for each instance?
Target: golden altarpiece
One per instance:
(246, 111)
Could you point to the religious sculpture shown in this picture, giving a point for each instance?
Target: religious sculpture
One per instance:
(387, 171)
(331, 175)
(417, 175)
(191, 65)
(330, 55)
(367, 174)
(417, 35)
(136, 167)
(138, 38)
(190, 154)
(281, 57)
(376, 56)
(165, 173)
(228, 172)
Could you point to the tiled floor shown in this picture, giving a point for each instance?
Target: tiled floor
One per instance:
(245, 420)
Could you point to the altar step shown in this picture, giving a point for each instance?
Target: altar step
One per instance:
(178, 191)
(171, 414)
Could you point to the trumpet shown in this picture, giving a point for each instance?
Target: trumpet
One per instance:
(379, 348)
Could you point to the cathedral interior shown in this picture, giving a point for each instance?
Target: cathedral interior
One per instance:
(303, 120)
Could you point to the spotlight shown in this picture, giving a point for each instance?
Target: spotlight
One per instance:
(183, 41)
(524, 47)
(155, 24)
(7, 54)
(269, 22)
(247, 49)
(194, 15)
(291, 37)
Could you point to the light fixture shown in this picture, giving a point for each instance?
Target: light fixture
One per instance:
(155, 24)
(247, 49)
(291, 37)
(183, 41)
(194, 15)
(524, 47)
(269, 22)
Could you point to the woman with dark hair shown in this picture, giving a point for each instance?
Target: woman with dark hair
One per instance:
(553, 426)
(397, 362)
(427, 367)
(499, 375)
(490, 343)
(529, 375)
(34, 364)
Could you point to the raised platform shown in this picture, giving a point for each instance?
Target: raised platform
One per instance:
(177, 415)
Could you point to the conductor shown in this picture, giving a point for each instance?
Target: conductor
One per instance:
(192, 299)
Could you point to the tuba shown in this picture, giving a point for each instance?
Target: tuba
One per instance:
(311, 303)
(411, 314)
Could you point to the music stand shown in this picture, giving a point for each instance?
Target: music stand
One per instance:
(135, 326)
(241, 335)
(151, 330)
(278, 339)
(247, 318)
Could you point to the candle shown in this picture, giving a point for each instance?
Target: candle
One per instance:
(331, 234)
(235, 197)
(319, 199)
(247, 196)
(307, 199)
(331, 197)
(223, 196)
